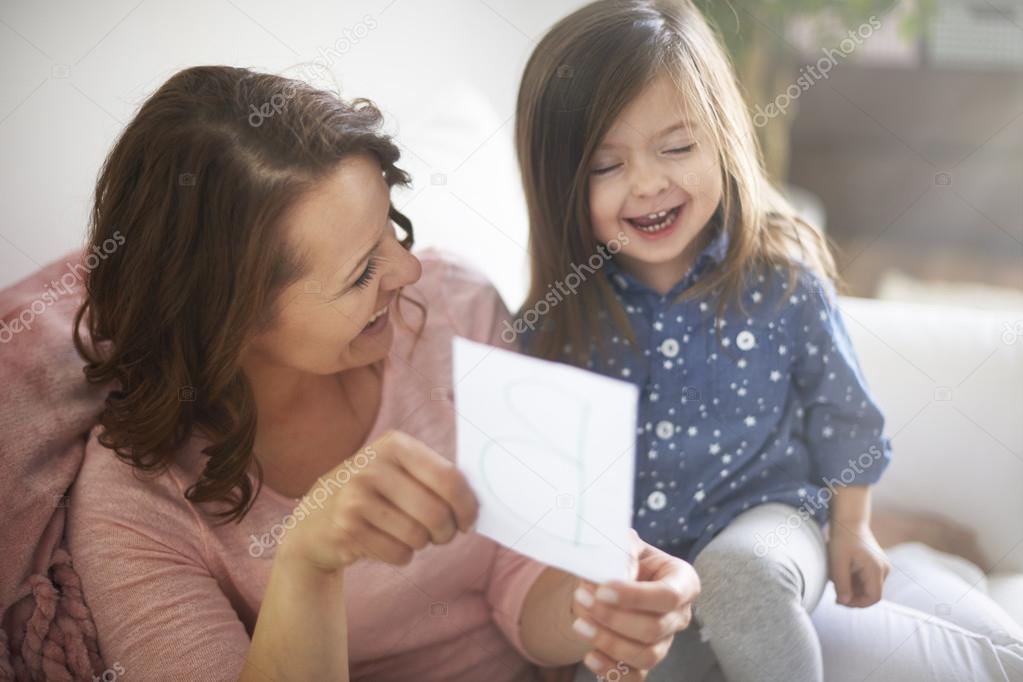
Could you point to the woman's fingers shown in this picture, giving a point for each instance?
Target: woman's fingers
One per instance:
(618, 648)
(642, 626)
(370, 542)
(656, 596)
(389, 519)
(635, 621)
(656, 566)
(440, 476)
(418, 502)
(407, 497)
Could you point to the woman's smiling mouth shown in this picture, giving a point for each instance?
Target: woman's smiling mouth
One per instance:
(377, 321)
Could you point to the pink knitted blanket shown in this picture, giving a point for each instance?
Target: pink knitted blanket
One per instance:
(46, 410)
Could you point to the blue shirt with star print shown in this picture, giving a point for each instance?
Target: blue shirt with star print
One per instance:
(766, 405)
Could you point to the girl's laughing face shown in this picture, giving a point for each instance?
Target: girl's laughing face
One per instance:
(655, 177)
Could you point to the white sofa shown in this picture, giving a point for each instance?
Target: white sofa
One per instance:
(950, 381)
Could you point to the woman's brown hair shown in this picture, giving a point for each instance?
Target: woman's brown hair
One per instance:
(580, 77)
(194, 192)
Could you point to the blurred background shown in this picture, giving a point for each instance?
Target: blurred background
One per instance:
(895, 124)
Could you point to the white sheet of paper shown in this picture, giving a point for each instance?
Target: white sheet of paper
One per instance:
(549, 451)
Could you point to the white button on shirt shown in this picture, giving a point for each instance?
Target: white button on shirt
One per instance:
(669, 347)
(745, 340)
(656, 500)
(665, 429)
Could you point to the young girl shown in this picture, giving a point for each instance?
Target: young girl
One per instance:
(756, 427)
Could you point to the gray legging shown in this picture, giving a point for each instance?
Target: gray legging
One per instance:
(766, 572)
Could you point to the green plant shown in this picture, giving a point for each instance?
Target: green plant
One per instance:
(757, 35)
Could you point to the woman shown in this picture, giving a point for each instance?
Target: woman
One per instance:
(280, 413)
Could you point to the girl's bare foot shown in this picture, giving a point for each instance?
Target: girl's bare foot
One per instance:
(892, 526)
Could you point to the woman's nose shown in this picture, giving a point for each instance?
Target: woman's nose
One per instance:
(403, 269)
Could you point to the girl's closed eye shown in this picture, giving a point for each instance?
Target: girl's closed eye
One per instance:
(682, 150)
(605, 169)
(675, 151)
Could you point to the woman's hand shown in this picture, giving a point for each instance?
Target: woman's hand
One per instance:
(631, 624)
(391, 499)
(856, 563)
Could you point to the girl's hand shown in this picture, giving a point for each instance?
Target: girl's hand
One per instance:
(631, 624)
(856, 563)
(391, 499)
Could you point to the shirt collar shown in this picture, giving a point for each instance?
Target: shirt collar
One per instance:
(712, 254)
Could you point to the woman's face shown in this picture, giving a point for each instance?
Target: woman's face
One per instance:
(655, 178)
(338, 314)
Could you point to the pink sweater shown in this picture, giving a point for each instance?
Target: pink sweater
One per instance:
(176, 597)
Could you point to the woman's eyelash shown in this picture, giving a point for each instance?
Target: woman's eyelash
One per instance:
(367, 274)
(680, 150)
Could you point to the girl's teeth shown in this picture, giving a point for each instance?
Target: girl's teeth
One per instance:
(660, 225)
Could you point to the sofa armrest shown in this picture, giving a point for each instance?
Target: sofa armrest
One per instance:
(950, 381)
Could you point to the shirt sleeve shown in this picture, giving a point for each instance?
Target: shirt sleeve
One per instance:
(843, 425)
(159, 612)
(511, 578)
(473, 306)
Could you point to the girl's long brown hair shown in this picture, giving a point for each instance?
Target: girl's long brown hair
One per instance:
(194, 192)
(580, 77)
